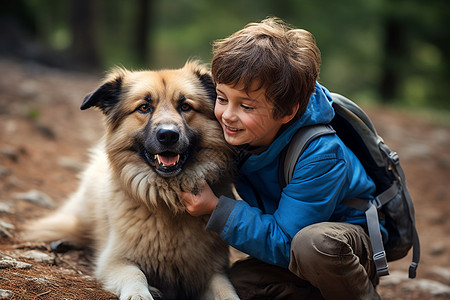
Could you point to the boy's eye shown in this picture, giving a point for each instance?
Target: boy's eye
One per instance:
(246, 107)
(221, 100)
(144, 108)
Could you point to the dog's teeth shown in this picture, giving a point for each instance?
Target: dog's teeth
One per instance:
(167, 161)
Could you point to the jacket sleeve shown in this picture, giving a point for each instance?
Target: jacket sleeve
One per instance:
(311, 197)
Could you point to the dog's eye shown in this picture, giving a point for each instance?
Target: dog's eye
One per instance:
(144, 108)
(185, 107)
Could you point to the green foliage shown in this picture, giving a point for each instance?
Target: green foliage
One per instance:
(382, 50)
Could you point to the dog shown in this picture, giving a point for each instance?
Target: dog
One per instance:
(161, 139)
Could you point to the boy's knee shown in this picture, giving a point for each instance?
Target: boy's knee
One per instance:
(319, 240)
(319, 246)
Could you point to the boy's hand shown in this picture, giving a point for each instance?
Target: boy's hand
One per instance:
(202, 203)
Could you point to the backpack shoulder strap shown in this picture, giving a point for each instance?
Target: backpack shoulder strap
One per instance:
(370, 208)
(299, 142)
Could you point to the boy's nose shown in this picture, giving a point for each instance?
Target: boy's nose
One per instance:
(229, 115)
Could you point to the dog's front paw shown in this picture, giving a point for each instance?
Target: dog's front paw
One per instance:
(141, 295)
(137, 297)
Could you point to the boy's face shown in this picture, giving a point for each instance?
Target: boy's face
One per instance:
(246, 117)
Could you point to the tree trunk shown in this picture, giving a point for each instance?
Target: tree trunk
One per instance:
(84, 28)
(142, 30)
(394, 50)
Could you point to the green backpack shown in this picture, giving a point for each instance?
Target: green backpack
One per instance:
(393, 203)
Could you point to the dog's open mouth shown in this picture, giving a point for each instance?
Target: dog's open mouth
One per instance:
(167, 160)
(167, 163)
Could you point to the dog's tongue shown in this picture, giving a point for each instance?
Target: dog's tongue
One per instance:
(167, 160)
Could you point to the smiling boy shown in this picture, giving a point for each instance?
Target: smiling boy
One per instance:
(304, 243)
(246, 117)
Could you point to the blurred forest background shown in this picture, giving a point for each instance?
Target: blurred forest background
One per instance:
(388, 51)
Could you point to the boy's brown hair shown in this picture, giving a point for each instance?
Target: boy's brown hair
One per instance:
(284, 60)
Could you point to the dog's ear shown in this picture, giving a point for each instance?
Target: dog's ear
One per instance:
(106, 96)
(208, 85)
(205, 78)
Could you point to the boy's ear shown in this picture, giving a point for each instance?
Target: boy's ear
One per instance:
(289, 117)
(106, 96)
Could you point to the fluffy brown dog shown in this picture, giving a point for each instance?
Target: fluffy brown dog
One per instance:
(161, 138)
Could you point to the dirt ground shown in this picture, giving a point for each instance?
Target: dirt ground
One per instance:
(44, 139)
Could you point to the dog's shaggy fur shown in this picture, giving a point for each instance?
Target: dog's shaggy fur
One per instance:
(161, 139)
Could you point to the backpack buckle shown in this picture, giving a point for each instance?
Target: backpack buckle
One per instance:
(381, 263)
(377, 202)
(394, 158)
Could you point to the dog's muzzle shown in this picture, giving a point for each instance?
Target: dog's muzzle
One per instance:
(165, 152)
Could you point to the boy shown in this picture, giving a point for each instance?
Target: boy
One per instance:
(303, 242)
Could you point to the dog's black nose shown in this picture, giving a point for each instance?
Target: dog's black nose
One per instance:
(167, 137)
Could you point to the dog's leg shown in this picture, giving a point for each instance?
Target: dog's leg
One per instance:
(220, 288)
(64, 224)
(121, 276)
(75, 220)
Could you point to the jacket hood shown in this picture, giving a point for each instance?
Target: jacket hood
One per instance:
(318, 111)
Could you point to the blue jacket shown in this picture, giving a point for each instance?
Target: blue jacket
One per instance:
(325, 174)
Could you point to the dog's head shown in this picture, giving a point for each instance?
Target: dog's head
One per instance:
(163, 116)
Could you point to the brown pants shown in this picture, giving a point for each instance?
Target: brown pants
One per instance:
(328, 261)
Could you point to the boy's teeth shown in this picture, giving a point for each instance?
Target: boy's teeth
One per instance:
(233, 129)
